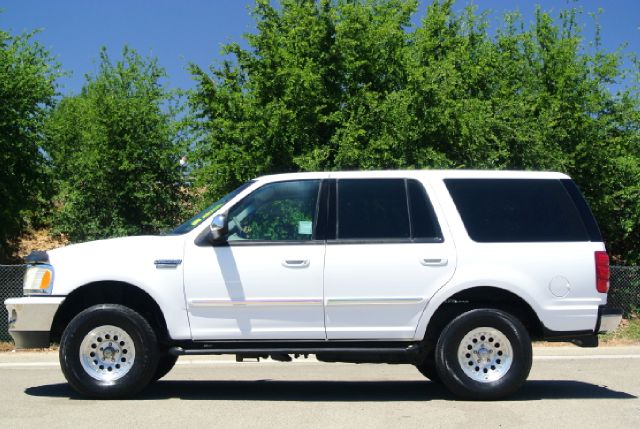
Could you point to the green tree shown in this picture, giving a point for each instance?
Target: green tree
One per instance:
(312, 92)
(27, 88)
(344, 84)
(115, 149)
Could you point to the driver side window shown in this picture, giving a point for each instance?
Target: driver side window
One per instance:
(282, 211)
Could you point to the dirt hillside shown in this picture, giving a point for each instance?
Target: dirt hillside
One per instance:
(38, 240)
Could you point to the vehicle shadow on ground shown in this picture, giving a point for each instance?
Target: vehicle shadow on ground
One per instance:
(337, 391)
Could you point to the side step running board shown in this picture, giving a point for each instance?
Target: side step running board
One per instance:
(410, 350)
(405, 354)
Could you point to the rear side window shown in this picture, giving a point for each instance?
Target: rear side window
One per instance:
(373, 209)
(517, 210)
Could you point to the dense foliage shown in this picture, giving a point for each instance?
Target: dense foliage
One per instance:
(115, 149)
(338, 84)
(27, 87)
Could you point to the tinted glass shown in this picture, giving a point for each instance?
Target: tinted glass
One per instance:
(372, 209)
(204, 214)
(283, 211)
(587, 216)
(517, 210)
(423, 218)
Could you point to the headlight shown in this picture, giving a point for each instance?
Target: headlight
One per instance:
(38, 280)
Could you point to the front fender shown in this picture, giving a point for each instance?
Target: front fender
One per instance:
(133, 260)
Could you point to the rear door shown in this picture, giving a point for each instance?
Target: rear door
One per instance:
(385, 257)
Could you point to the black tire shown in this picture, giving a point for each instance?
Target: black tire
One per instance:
(166, 362)
(488, 376)
(84, 374)
(428, 368)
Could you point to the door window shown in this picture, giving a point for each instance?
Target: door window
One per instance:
(372, 209)
(385, 209)
(282, 211)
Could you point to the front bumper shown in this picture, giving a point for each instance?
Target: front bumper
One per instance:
(30, 320)
(608, 319)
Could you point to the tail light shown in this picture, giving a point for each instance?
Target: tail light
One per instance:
(602, 272)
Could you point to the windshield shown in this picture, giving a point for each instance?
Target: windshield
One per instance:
(200, 217)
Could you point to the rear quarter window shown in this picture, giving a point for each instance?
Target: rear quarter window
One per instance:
(518, 210)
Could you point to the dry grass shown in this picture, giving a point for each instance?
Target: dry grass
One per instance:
(628, 333)
(38, 240)
(8, 346)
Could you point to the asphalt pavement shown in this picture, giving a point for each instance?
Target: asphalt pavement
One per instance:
(568, 387)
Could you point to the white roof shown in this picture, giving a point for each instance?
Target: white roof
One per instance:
(419, 174)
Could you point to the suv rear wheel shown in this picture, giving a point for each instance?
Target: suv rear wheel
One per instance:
(484, 354)
(108, 351)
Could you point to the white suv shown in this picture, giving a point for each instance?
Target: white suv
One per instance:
(455, 272)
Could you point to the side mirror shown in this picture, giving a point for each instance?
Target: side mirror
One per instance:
(219, 227)
(216, 232)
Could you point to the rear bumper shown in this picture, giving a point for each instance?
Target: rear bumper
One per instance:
(30, 320)
(608, 319)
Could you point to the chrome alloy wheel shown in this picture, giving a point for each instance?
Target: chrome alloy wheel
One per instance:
(107, 353)
(485, 354)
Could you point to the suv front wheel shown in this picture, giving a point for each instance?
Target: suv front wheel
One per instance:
(484, 354)
(108, 351)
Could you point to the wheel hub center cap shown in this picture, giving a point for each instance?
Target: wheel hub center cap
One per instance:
(483, 353)
(109, 353)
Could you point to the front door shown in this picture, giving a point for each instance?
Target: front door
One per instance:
(266, 281)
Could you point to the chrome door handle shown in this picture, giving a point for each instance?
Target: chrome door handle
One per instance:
(434, 262)
(295, 263)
